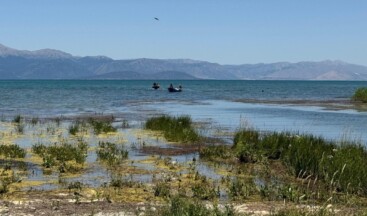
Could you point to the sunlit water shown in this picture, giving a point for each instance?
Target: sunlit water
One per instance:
(210, 102)
(203, 100)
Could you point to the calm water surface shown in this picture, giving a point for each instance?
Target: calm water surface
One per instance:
(210, 101)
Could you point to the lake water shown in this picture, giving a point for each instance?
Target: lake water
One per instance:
(215, 102)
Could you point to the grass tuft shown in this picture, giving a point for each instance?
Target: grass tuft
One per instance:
(176, 129)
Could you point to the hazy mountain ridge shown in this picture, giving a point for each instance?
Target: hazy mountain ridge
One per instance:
(55, 64)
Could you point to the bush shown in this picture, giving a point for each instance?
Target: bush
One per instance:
(360, 95)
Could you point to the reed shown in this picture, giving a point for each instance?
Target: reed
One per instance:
(342, 167)
(176, 129)
(360, 95)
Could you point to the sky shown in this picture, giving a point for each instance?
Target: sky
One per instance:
(220, 31)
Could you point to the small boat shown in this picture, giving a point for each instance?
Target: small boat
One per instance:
(173, 89)
(156, 86)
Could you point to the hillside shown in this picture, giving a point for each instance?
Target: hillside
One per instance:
(55, 64)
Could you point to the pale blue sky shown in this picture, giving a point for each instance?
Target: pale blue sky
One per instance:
(226, 31)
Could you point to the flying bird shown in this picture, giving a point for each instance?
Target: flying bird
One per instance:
(156, 18)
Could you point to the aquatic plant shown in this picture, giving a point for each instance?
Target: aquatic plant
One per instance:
(176, 129)
(360, 95)
(12, 151)
(111, 153)
(342, 167)
(74, 129)
(59, 154)
(102, 125)
(17, 119)
(239, 188)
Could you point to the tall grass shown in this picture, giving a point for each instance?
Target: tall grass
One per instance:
(176, 129)
(360, 95)
(343, 167)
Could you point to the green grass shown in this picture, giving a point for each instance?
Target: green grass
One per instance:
(176, 129)
(360, 95)
(342, 167)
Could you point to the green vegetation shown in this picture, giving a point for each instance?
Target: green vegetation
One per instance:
(191, 207)
(360, 95)
(342, 167)
(59, 154)
(102, 125)
(12, 151)
(111, 153)
(176, 129)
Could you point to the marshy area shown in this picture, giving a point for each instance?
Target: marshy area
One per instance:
(170, 165)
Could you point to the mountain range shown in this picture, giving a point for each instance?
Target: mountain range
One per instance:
(55, 64)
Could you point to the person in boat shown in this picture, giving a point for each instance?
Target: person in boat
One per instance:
(155, 85)
(171, 86)
(180, 86)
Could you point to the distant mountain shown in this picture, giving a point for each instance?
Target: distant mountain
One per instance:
(55, 64)
(131, 75)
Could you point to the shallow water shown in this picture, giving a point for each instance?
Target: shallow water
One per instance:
(209, 102)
